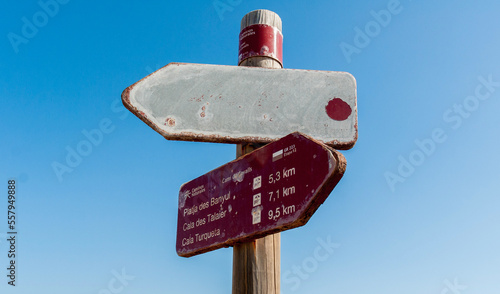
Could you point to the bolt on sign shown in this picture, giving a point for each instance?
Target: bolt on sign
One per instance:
(272, 189)
(237, 104)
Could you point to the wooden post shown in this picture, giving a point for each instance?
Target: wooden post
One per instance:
(256, 264)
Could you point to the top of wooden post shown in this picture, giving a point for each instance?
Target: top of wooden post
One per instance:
(265, 50)
(261, 16)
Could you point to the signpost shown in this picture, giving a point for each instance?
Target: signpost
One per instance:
(274, 188)
(238, 104)
(247, 202)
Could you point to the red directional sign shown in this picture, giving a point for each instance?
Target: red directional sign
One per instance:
(238, 104)
(272, 189)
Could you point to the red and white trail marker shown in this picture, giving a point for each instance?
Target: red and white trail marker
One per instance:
(237, 104)
(274, 188)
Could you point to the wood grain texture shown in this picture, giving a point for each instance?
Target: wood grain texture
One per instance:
(257, 264)
(261, 61)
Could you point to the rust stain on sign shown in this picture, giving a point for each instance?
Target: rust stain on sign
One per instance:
(235, 104)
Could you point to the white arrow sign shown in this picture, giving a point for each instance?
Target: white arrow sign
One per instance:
(236, 104)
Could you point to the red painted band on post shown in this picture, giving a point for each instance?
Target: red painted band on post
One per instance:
(261, 40)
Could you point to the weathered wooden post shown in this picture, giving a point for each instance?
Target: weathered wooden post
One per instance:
(256, 264)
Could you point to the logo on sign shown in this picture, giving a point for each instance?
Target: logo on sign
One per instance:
(256, 216)
(277, 155)
(256, 200)
(257, 182)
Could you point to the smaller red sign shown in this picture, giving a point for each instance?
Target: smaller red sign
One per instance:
(274, 188)
(261, 40)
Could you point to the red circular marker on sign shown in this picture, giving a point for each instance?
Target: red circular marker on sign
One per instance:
(338, 109)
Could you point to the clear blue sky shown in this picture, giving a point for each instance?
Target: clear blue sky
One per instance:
(416, 212)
